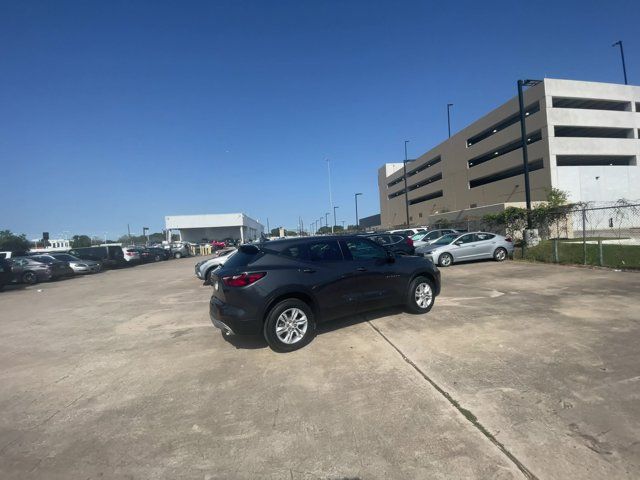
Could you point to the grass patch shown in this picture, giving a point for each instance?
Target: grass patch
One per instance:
(571, 252)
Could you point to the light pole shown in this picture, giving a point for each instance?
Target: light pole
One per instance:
(330, 193)
(406, 190)
(144, 234)
(356, 197)
(449, 105)
(326, 221)
(525, 153)
(624, 67)
(334, 218)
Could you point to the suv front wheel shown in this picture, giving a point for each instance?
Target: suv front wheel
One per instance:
(420, 296)
(289, 325)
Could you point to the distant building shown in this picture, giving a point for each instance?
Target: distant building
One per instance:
(370, 222)
(55, 245)
(198, 228)
(582, 138)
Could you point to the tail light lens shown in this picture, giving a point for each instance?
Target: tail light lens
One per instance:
(410, 241)
(243, 279)
(508, 239)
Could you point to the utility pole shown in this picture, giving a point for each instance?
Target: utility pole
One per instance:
(525, 152)
(129, 232)
(268, 229)
(624, 66)
(406, 189)
(449, 105)
(334, 218)
(357, 225)
(330, 193)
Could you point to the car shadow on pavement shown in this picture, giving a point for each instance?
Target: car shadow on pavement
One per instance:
(252, 342)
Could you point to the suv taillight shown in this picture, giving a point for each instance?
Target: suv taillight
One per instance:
(410, 241)
(243, 279)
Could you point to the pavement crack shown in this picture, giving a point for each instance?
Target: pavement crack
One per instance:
(466, 413)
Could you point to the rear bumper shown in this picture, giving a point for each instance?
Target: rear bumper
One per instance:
(233, 320)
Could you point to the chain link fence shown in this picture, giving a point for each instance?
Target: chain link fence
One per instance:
(607, 236)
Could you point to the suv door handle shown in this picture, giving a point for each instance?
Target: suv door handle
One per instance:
(361, 269)
(308, 270)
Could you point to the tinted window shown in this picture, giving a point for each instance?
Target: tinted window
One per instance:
(294, 251)
(446, 240)
(433, 235)
(484, 236)
(468, 238)
(243, 257)
(397, 238)
(44, 259)
(362, 249)
(326, 251)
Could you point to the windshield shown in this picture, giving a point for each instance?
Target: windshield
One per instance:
(446, 240)
(418, 236)
(66, 257)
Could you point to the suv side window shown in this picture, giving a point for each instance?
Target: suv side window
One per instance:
(433, 235)
(362, 249)
(294, 251)
(396, 239)
(325, 251)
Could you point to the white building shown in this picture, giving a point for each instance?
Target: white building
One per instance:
(55, 245)
(200, 228)
(583, 138)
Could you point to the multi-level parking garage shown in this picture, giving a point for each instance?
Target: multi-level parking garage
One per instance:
(582, 138)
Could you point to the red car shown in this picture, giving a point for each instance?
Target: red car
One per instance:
(217, 245)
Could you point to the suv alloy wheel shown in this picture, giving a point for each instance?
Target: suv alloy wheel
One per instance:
(289, 325)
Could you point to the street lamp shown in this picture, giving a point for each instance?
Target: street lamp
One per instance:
(624, 67)
(449, 105)
(335, 224)
(326, 221)
(406, 190)
(356, 197)
(525, 153)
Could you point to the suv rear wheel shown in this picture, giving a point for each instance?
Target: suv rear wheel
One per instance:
(289, 325)
(29, 278)
(177, 255)
(420, 296)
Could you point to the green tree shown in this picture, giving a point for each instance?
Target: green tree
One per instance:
(79, 241)
(13, 243)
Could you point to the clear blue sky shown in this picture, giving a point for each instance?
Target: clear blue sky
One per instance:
(117, 112)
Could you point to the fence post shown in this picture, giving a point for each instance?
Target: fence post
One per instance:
(555, 251)
(601, 255)
(584, 235)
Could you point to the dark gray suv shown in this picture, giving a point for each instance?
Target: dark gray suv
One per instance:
(282, 288)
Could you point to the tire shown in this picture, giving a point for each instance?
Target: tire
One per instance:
(29, 278)
(278, 319)
(177, 255)
(420, 297)
(500, 255)
(157, 258)
(445, 260)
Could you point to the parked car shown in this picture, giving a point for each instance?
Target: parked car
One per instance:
(205, 268)
(132, 255)
(78, 265)
(408, 231)
(425, 238)
(468, 246)
(394, 242)
(29, 270)
(159, 253)
(59, 269)
(282, 288)
(180, 249)
(111, 256)
(6, 275)
(218, 244)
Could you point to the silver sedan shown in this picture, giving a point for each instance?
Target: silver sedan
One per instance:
(78, 265)
(468, 246)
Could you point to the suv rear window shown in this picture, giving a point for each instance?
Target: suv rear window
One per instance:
(243, 257)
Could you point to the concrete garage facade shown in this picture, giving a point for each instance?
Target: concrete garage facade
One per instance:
(582, 138)
(198, 228)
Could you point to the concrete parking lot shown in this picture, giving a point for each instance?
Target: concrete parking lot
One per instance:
(519, 371)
